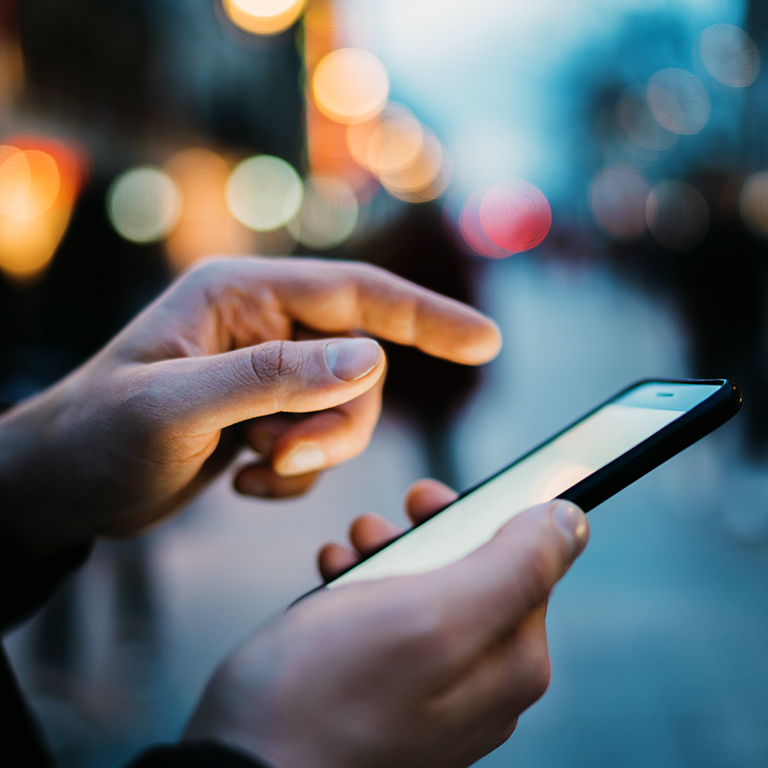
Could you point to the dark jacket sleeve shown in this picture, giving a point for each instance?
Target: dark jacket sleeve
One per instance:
(197, 754)
(28, 580)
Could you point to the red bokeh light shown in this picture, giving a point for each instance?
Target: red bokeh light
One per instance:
(514, 215)
(472, 230)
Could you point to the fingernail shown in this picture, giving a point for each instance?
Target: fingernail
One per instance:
(303, 459)
(351, 359)
(573, 526)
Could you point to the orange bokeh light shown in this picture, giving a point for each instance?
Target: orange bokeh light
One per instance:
(39, 182)
(350, 85)
(515, 215)
(395, 143)
(206, 226)
(263, 17)
(420, 180)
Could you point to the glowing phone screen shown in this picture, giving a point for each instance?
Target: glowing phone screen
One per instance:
(591, 444)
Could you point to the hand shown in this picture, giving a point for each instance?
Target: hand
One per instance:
(426, 671)
(368, 533)
(142, 426)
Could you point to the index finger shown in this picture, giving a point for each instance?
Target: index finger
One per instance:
(334, 297)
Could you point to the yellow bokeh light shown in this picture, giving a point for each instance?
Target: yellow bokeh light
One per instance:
(14, 177)
(29, 182)
(144, 204)
(730, 55)
(679, 101)
(264, 193)
(328, 214)
(263, 17)
(350, 85)
(39, 181)
(395, 144)
(423, 179)
(754, 203)
(206, 226)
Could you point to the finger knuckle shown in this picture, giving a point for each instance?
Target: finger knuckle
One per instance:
(206, 271)
(538, 577)
(272, 362)
(533, 663)
(540, 672)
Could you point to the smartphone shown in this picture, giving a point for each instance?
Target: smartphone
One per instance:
(589, 461)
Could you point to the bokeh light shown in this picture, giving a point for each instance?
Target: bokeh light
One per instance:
(39, 182)
(679, 101)
(422, 179)
(515, 215)
(206, 226)
(144, 204)
(350, 85)
(328, 214)
(264, 17)
(730, 55)
(264, 193)
(329, 153)
(472, 231)
(617, 197)
(677, 215)
(29, 182)
(395, 143)
(639, 124)
(754, 203)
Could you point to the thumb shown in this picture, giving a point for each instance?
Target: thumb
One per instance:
(216, 391)
(490, 592)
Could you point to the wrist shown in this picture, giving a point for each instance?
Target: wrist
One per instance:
(33, 506)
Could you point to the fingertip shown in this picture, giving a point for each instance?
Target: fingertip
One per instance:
(572, 525)
(370, 532)
(353, 359)
(333, 559)
(427, 496)
(302, 458)
(486, 344)
(260, 480)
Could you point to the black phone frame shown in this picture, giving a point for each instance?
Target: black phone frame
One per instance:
(670, 440)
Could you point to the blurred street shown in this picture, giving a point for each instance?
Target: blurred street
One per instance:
(593, 174)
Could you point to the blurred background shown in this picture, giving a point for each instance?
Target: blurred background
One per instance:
(592, 173)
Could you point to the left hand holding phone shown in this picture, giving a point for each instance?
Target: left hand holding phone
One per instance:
(415, 671)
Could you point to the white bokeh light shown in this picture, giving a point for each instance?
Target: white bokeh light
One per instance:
(144, 204)
(328, 214)
(264, 193)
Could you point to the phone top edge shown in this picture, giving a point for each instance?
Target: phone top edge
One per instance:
(726, 388)
(725, 401)
(689, 428)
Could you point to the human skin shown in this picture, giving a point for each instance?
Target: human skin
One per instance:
(430, 670)
(227, 357)
(426, 671)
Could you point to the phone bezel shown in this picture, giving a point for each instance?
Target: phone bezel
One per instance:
(670, 440)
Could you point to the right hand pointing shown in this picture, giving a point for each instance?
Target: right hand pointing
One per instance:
(425, 671)
(263, 344)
